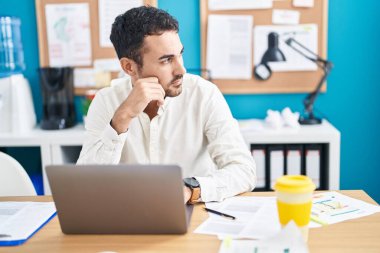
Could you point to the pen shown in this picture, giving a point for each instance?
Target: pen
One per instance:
(219, 213)
(4, 235)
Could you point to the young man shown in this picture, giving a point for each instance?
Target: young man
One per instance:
(160, 115)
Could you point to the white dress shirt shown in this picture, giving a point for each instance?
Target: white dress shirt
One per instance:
(194, 130)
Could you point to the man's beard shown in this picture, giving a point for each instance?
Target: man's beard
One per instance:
(168, 92)
(178, 89)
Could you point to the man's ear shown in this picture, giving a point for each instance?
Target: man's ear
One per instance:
(129, 66)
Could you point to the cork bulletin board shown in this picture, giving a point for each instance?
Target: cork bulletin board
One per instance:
(97, 52)
(279, 82)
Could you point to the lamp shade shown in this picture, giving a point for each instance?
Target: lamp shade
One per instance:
(273, 53)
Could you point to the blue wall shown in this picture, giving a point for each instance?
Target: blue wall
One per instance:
(351, 102)
(25, 9)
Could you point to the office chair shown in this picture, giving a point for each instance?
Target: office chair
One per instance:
(14, 181)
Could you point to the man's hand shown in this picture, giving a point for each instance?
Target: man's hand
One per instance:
(143, 92)
(186, 193)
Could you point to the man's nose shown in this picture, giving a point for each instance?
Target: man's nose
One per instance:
(179, 68)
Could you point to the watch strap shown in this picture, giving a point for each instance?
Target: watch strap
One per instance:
(195, 195)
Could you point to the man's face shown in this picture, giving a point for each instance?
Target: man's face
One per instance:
(162, 58)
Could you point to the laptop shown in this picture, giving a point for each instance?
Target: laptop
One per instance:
(119, 199)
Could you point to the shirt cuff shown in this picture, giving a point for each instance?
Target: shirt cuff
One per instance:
(208, 189)
(111, 138)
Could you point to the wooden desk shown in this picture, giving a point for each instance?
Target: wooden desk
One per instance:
(359, 235)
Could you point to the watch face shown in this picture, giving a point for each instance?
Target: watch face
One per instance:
(191, 182)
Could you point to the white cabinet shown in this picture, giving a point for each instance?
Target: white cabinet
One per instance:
(325, 134)
(57, 146)
(63, 146)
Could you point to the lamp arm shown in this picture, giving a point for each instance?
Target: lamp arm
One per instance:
(324, 64)
(310, 99)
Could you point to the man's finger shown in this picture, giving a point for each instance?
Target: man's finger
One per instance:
(151, 87)
(156, 95)
(149, 79)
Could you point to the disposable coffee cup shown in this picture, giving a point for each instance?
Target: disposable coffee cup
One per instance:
(294, 200)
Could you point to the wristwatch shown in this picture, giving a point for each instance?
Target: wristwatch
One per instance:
(195, 188)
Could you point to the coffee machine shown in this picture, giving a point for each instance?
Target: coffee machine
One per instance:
(57, 98)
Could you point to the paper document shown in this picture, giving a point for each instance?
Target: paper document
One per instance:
(229, 51)
(252, 218)
(265, 223)
(19, 220)
(333, 207)
(306, 34)
(108, 64)
(289, 239)
(84, 77)
(257, 217)
(108, 11)
(68, 34)
(215, 5)
(303, 3)
(285, 17)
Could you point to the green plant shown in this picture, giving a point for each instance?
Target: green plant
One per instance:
(87, 99)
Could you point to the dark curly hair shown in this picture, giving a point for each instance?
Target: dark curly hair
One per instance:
(129, 30)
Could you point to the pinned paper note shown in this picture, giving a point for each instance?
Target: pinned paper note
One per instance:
(229, 46)
(303, 3)
(217, 5)
(91, 77)
(306, 34)
(84, 77)
(108, 11)
(68, 34)
(285, 17)
(107, 64)
(102, 78)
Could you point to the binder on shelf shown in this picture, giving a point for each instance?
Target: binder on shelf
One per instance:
(293, 160)
(276, 163)
(313, 163)
(259, 154)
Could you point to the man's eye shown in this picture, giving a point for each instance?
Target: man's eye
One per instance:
(167, 60)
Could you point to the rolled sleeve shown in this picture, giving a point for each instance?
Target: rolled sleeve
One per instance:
(208, 189)
(110, 137)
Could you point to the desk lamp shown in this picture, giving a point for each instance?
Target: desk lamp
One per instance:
(325, 65)
(273, 54)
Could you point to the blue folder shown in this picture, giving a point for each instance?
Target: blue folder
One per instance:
(5, 242)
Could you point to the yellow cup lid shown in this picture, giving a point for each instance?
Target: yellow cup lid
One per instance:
(294, 184)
